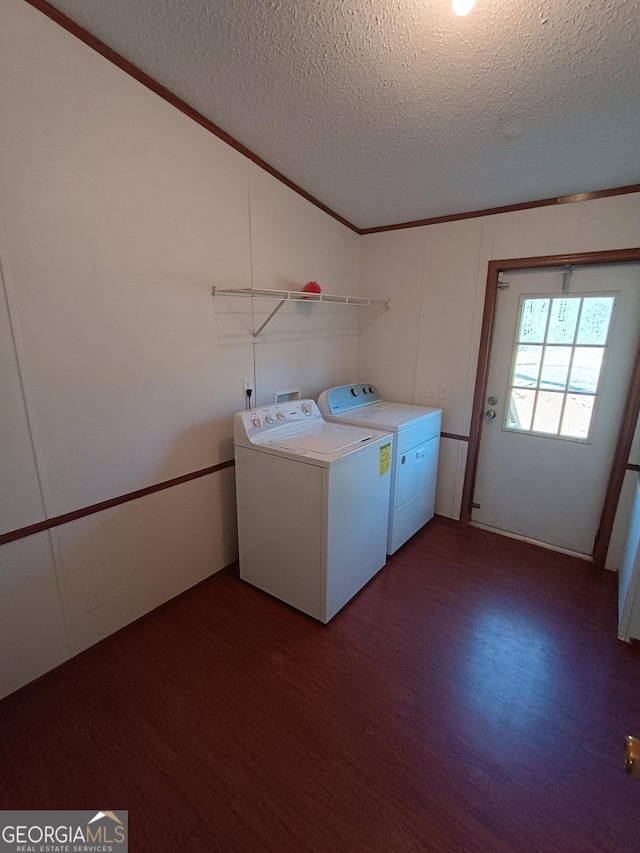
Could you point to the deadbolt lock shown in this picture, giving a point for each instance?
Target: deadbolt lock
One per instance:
(492, 401)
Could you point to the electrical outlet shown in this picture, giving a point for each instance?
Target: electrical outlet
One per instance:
(94, 597)
(247, 385)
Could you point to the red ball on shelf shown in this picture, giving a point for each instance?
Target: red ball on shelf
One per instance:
(312, 287)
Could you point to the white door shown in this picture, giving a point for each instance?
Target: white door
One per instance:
(561, 364)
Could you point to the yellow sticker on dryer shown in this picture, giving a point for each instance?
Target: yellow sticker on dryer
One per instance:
(385, 459)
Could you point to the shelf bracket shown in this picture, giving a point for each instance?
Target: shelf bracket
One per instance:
(269, 318)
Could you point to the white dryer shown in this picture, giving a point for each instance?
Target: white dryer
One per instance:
(312, 503)
(416, 444)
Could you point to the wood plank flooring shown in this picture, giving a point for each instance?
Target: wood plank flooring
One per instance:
(473, 697)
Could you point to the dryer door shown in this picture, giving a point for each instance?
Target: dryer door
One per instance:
(416, 469)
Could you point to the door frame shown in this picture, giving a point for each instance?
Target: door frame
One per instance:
(632, 407)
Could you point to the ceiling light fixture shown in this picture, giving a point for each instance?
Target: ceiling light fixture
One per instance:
(462, 7)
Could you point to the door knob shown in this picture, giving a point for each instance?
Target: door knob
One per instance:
(632, 755)
(490, 414)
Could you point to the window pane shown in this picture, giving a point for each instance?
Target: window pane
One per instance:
(548, 411)
(533, 320)
(564, 316)
(577, 416)
(587, 363)
(520, 409)
(527, 366)
(555, 368)
(595, 318)
(558, 358)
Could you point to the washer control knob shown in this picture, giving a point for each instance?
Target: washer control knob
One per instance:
(280, 416)
(256, 422)
(270, 419)
(306, 408)
(354, 392)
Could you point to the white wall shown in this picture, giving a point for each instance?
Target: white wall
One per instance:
(117, 368)
(439, 272)
(292, 242)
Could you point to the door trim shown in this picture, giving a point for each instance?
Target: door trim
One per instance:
(632, 408)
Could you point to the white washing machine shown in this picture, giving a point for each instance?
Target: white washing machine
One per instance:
(312, 502)
(416, 444)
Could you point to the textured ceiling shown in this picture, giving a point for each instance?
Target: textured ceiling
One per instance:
(397, 110)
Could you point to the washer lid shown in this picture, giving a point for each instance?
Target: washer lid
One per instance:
(325, 439)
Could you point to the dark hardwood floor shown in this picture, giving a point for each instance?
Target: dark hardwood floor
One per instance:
(473, 697)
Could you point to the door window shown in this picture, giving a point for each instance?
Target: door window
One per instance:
(557, 361)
